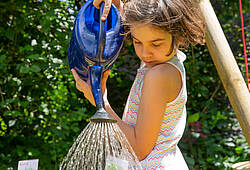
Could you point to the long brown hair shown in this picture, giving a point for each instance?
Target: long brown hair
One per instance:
(181, 18)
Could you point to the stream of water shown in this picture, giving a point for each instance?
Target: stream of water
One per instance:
(101, 146)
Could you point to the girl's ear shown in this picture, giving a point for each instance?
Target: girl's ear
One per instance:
(179, 42)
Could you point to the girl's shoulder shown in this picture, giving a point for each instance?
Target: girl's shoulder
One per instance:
(165, 77)
(165, 71)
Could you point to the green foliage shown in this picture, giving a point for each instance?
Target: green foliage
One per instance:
(215, 140)
(41, 110)
(42, 113)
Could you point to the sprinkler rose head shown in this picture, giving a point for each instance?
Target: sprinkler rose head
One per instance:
(84, 43)
(101, 116)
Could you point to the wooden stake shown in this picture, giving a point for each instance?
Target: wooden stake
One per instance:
(227, 68)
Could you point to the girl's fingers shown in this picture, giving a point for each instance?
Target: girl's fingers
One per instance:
(79, 87)
(106, 75)
(84, 87)
(78, 80)
(104, 80)
(106, 9)
(96, 3)
(75, 75)
(82, 82)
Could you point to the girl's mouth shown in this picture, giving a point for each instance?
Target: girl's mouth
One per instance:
(148, 62)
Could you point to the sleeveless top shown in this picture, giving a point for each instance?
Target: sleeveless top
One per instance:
(165, 154)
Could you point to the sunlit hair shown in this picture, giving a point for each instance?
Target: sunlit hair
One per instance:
(181, 18)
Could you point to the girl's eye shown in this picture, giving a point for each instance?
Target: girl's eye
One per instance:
(137, 42)
(156, 45)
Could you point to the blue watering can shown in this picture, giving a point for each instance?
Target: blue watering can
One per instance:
(94, 46)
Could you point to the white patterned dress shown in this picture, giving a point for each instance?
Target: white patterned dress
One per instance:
(165, 154)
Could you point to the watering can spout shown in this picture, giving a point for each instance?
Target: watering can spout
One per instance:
(101, 115)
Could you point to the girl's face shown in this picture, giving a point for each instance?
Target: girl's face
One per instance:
(152, 44)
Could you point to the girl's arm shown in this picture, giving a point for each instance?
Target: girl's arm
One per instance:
(162, 84)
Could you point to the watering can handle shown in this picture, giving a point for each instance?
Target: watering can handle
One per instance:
(101, 36)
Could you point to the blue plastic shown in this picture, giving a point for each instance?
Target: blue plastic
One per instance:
(84, 41)
(95, 81)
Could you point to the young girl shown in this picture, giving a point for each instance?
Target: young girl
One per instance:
(155, 115)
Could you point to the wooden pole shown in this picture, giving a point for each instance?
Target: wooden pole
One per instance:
(227, 67)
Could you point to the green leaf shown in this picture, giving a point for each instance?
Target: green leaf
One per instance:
(35, 68)
(24, 69)
(193, 118)
(190, 161)
(37, 57)
(28, 48)
(12, 113)
(50, 13)
(238, 150)
(10, 34)
(2, 58)
(34, 56)
(24, 103)
(19, 150)
(25, 48)
(3, 127)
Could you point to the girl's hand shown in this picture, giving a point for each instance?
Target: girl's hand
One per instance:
(85, 87)
(107, 6)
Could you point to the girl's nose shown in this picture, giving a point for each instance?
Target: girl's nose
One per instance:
(146, 54)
